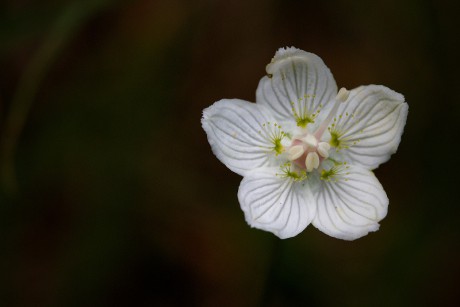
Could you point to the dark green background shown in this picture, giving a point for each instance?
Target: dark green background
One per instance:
(111, 196)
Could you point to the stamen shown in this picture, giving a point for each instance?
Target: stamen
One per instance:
(323, 149)
(310, 140)
(295, 152)
(342, 96)
(312, 161)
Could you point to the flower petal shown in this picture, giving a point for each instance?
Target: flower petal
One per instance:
(370, 126)
(350, 204)
(242, 135)
(276, 204)
(298, 82)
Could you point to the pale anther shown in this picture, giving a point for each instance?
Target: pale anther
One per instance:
(342, 95)
(312, 161)
(310, 140)
(323, 149)
(295, 152)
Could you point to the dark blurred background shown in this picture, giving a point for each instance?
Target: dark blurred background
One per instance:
(111, 196)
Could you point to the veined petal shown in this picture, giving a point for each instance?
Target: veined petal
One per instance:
(350, 203)
(242, 135)
(370, 126)
(298, 86)
(275, 203)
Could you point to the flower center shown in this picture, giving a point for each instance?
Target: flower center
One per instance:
(307, 151)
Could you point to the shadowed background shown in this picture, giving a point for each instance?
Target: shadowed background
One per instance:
(110, 194)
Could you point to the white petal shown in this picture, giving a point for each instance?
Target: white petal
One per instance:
(276, 204)
(297, 83)
(352, 206)
(371, 123)
(239, 133)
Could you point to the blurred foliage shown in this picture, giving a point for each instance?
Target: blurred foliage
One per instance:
(111, 196)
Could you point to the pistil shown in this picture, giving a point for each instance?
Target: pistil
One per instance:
(307, 153)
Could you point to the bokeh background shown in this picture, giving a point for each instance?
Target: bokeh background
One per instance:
(111, 196)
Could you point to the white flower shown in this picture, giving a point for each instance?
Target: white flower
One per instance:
(306, 151)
